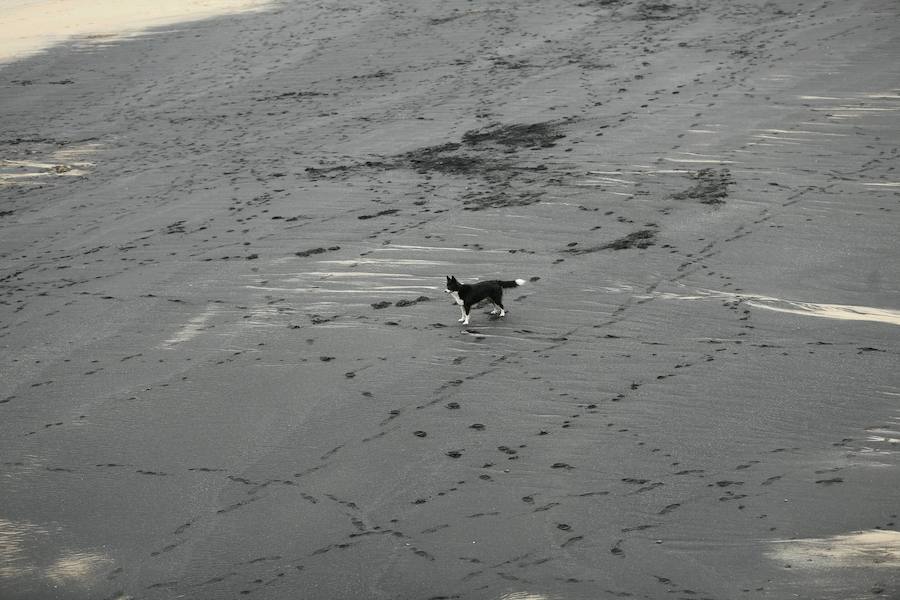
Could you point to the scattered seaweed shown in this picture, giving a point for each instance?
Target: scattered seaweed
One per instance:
(381, 213)
(499, 199)
(450, 158)
(711, 186)
(298, 95)
(445, 158)
(516, 135)
(641, 239)
(660, 11)
(478, 154)
(312, 251)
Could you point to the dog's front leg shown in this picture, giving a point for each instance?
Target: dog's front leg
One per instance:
(464, 318)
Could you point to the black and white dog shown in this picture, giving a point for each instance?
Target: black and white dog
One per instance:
(467, 296)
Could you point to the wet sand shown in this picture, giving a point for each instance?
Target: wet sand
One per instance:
(229, 368)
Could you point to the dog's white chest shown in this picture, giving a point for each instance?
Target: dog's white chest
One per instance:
(456, 298)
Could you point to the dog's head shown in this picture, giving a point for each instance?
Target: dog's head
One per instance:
(452, 285)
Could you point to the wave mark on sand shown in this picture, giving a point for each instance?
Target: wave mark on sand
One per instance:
(389, 289)
(191, 329)
(886, 434)
(875, 548)
(844, 312)
(383, 261)
(64, 162)
(22, 541)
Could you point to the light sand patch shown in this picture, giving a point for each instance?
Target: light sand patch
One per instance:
(709, 161)
(856, 109)
(615, 180)
(21, 542)
(886, 436)
(191, 329)
(844, 312)
(17, 172)
(78, 567)
(389, 289)
(329, 274)
(888, 433)
(395, 247)
(406, 262)
(31, 26)
(14, 536)
(874, 548)
(604, 179)
(65, 162)
(787, 140)
(79, 152)
(803, 131)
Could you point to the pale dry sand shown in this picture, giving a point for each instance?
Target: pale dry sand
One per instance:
(30, 26)
(229, 368)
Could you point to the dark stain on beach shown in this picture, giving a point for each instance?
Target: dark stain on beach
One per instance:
(641, 239)
(517, 135)
(660, 11)
(711, 186)
(480, 153)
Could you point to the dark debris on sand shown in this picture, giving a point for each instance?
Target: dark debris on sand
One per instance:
(478, 154)
(516, 135)
(400, 303)
(499, 199)
(660, 11)
(445, 159)
(641, 239)
(451, 159)
(711, 187)
(313, 251)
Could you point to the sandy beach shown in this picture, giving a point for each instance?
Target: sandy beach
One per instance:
(229, 368)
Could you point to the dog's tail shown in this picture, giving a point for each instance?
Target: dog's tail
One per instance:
(512, 284)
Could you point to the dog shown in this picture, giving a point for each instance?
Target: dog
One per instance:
(468, 295)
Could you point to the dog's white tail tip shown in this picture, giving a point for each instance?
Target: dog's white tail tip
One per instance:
(520, 282)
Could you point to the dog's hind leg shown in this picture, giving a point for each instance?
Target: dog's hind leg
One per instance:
(498, 305)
